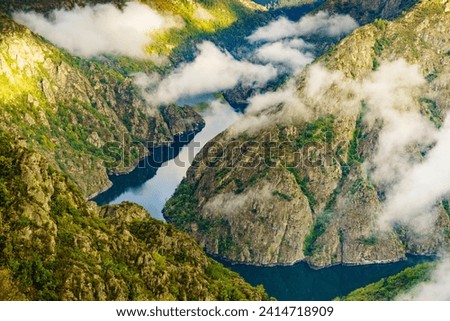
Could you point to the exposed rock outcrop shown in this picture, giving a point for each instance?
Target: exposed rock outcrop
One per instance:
(319, 158)
(56, 246)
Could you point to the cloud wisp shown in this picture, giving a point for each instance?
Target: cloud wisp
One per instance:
(294, 54)
(410, 162)
(213, 70)
(411, 159)
(99, 29)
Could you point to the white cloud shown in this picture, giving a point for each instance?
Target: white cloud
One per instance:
(276, 30)
(321, 24)
(281, 106)
(286, 53)
(320, 79)
(99, 29)
(212, 70)
(324, 24)
(413, 184)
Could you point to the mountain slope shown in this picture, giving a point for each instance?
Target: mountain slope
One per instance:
(298, 188)
(365, 11)
(87, 116)
(83, 115)
(56, 246)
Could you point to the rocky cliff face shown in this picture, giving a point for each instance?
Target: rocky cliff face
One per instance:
(88, 119)
(56, 246)
(299, 188)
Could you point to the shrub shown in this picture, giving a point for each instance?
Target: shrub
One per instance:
(380, 24)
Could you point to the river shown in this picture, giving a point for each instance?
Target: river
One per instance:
(152, 185)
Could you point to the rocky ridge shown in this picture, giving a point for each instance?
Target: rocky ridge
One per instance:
(89, 120)
(248, 205)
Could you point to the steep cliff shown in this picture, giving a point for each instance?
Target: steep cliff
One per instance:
(86, 117)
(56, 246)
(298, 187)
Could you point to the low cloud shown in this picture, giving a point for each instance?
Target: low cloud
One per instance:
(230, 204)
(320, 92)
(412, 200)
(293, 54)
(99, 29)
(281, 106)
(213, 70)
(411, 159)
(276, 30)
(320, 24)
(437, 289)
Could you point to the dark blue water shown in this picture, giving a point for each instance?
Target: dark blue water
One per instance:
(301, 283)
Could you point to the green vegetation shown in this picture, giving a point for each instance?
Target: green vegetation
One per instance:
(222, 173)
(68, 116)
(181, 209)
(303, 184)
(432, 109)
(388, 289)
(282, 195)
(371, 240)
(375, 64)
(318, 131)
(380, 45)
(55, 246)
(354, 155)
(320, 226)
(381, 24)
(9, 172)
(215, 16)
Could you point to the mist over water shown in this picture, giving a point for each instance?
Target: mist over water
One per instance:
(155, 192)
